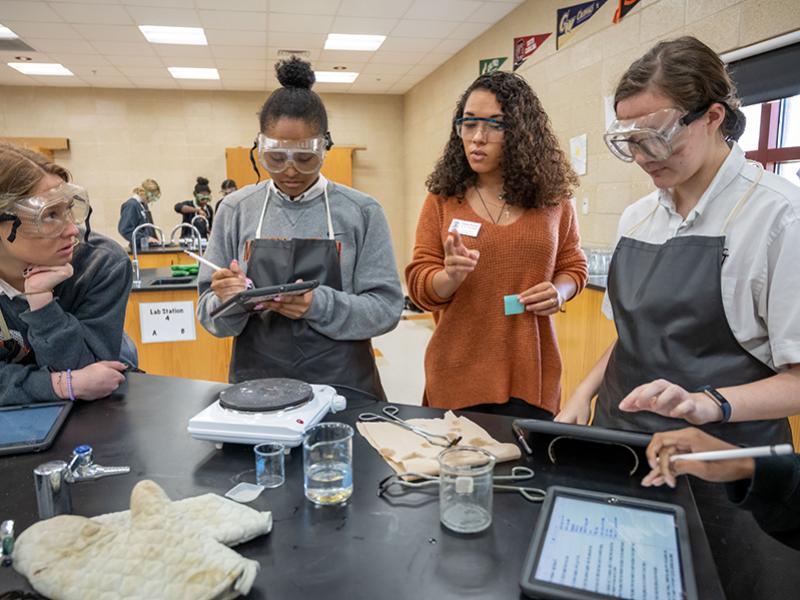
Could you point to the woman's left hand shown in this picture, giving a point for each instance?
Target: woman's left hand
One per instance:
(292, 307)
(670, 400)
(40, 281)
(543, 299)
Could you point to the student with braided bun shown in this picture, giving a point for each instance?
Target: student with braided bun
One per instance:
(63, 291)
(300, 226)
(198, 206)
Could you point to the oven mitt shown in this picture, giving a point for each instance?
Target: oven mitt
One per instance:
(158, 549)
(406, 451)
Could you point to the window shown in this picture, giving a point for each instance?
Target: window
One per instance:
(772, 136)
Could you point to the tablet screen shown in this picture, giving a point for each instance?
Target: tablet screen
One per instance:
(611, 549)
(27, 425)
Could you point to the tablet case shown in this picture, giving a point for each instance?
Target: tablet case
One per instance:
(26, 447)
(244, 301)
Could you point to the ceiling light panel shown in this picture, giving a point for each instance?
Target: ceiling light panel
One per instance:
(193, 73)
(158, 34)
(347, 41)
(335, 76)
(32, 68)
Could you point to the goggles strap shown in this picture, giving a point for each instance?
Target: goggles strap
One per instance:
(253, 160)
(88, 225)
(14, 219)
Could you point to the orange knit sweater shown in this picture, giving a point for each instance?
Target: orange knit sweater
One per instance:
(477, 354)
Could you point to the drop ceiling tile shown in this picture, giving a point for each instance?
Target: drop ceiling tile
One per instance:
(421, 71)
(370, 87)
(248, 5)
(136, 73)
(59, 81)
(398, 58)
(75, 45)
(11, 56)
(378, 78)
(313, 54)
(181, 50)
(24, 10)
(125, 48)
(79, 60)
(386, 69)
(363, 26)
(294, 23)
(303, 7)
(110, 33)
(160, 3)
(243, 86)
(252, 63)
(157, 83)
(424, 29)
(401, 88)
(111, 82)
(152, 15)
(237, 52)
(228, 37)
(403, 44)
(200, 84)
(442, 10)
(243, 74)
(374, 8)
(344, 57)
(134, 60)
(331, 88)
(491, 12)
(296, 41)
(9, 76)
(468, 31)
(435, 58)
(33, 29)
(105, 14)
(88, 72)
(233, 20)
(450, 46)
(195, 63)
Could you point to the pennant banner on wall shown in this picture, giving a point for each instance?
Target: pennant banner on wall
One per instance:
(526, 45)
(570, 18)
(623, 8)
(490, 65)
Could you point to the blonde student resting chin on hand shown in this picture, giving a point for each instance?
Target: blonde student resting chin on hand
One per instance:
(63, 290)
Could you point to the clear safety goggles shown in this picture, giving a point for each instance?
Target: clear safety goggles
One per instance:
(491, 130)
(47, 214)
(305, 155)
(656, 135)
(151, 196)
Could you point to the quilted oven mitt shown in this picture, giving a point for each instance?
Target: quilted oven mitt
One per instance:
(406, 451)
(158, 549)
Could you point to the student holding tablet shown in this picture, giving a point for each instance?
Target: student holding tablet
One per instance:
(62, 293)
(703, 283)
(298, 226)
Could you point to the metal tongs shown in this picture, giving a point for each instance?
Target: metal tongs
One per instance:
(499, 482)
(389, 415)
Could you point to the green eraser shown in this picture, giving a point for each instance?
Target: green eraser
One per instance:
(512, 305)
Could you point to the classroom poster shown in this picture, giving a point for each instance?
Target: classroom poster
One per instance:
(490, 65)
(526, 45)
(570, 18)
(623, 8)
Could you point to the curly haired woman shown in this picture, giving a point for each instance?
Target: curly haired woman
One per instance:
(497, 253)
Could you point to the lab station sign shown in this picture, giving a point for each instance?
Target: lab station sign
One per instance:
(167, 322)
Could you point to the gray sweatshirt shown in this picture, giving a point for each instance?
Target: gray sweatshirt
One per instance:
(82, 325)
(371, 300)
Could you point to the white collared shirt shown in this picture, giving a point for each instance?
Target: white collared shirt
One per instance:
(6, 289)
(761, 275)
(315, 190)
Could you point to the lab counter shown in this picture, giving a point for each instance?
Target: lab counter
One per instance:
(161, 278)
(162, 256)
(371, 547)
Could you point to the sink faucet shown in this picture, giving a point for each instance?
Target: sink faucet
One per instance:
(202, 218)
(137, 280)
(52, 480)
(195, 235)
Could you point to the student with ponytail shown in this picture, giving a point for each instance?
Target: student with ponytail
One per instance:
(299, 226)
(703, 284)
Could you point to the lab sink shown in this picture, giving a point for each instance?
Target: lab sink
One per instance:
(172, 281)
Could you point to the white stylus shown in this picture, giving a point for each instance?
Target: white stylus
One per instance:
(779, 450)
(208, 263)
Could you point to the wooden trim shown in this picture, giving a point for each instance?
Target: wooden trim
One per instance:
(47, 143)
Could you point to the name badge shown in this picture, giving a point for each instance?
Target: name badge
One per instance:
(468, 228)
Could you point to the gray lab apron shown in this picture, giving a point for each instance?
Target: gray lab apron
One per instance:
(272, 345)
(671, 324)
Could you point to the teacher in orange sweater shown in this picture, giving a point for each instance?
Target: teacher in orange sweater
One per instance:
(497, 253)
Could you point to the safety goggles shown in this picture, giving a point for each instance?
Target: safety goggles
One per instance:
(656, 135)
(202, 197)
(491, 130)
(46, 215)
(152, 196)
(305, 156)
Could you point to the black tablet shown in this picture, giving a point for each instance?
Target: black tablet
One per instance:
(246, 301)
(30, 427)
(595, 545)
(585, 432)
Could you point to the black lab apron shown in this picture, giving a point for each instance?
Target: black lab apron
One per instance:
(272, 345)
(671, 324)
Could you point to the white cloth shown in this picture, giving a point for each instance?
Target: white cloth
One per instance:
(406, 451)
(760, 281)
(6, 289)
(159, 549)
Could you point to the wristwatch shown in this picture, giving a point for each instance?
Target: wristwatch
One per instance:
(723, 404)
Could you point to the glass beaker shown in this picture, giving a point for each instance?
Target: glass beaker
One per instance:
(465, 488)
(328, 463)
(269, 465)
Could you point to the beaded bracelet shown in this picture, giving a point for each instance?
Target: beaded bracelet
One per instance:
(69, 385)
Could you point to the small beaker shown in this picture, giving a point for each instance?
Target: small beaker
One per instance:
(465, 488)
(269, 465)
(328, 463)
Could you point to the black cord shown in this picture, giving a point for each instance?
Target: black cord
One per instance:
(253, 160)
